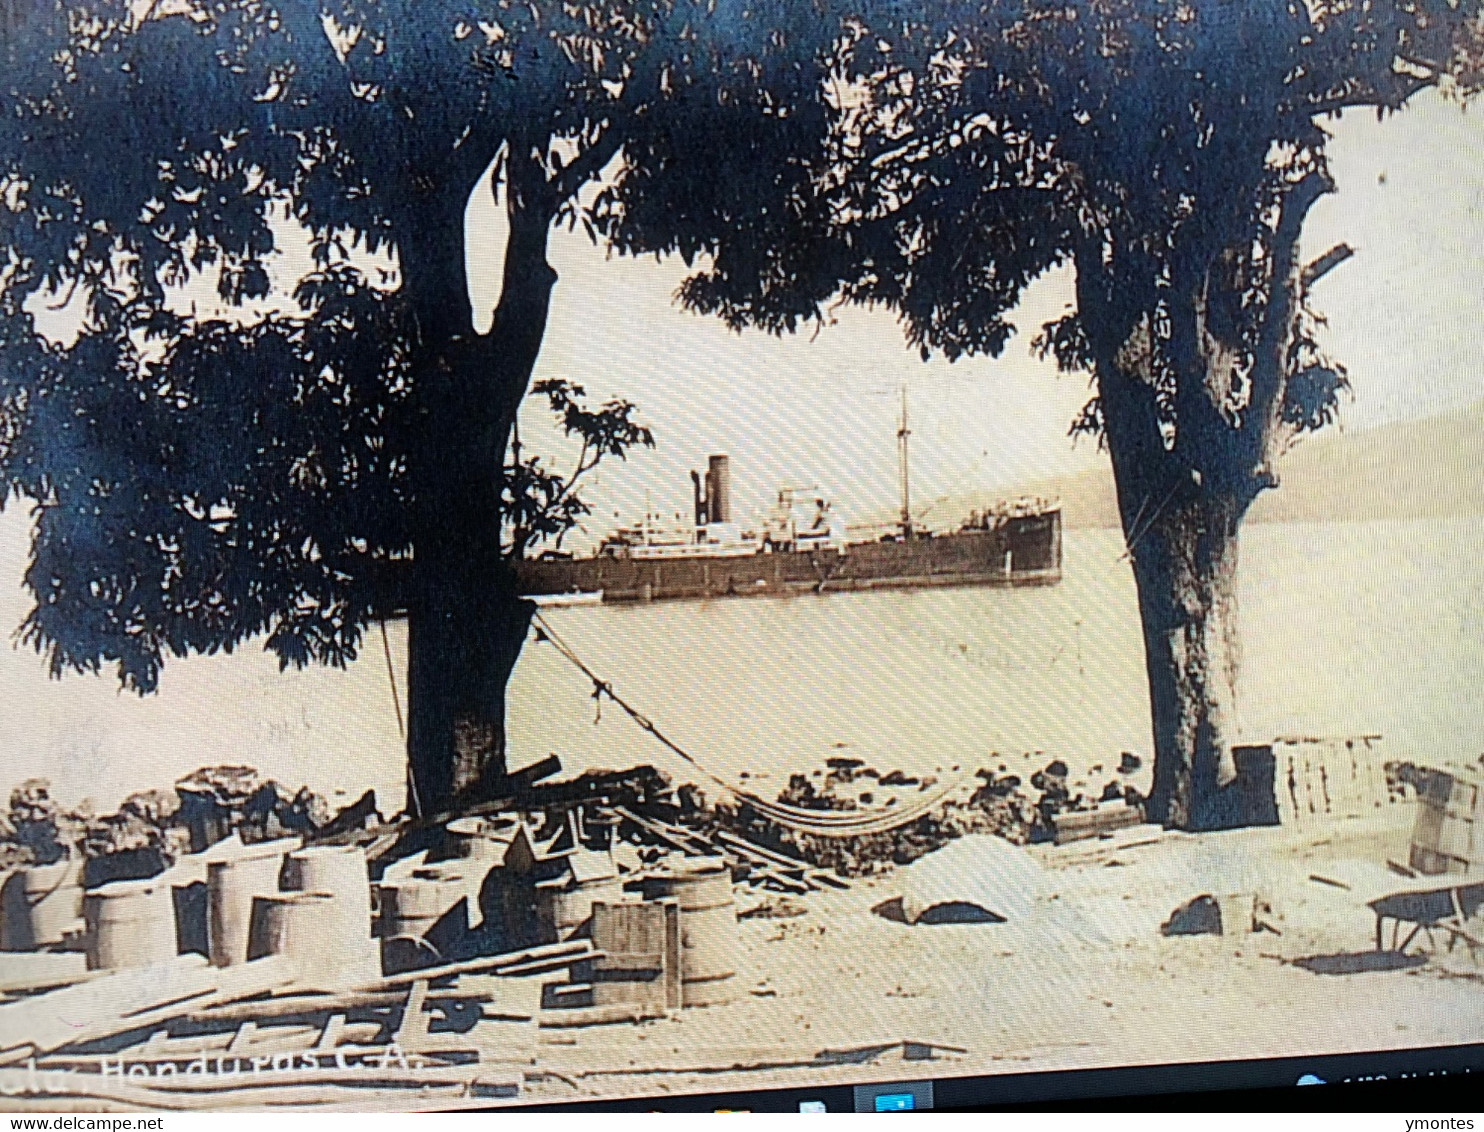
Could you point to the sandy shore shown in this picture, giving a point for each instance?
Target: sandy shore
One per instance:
(1087, 980)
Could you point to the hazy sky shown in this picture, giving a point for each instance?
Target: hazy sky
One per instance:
(1403, 315)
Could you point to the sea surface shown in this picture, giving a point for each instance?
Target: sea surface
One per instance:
(1347, 628)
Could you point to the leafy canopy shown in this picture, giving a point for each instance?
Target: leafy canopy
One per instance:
(223, 443)
(1171, 148)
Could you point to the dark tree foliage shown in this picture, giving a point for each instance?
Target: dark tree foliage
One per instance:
(303, 455)
(1168, 149)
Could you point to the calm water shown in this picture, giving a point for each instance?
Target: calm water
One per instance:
(1375, 627)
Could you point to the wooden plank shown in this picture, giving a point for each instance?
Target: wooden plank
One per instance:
(1076, 825)
(637, 977)
(245, 980)
(525, 778)
(334, 1030)
(242, 1038)
(30, 971)
(751, 847)
(674, 967)
(414, 1026)
(116, 1002)
(592, 1016)
(350, 822)
(736, 848)
(769, 875)
(505, 999)
(672, 835)
(288, 1006)
(830, 880)
(545, 966)
(509, 962)
(696, 845)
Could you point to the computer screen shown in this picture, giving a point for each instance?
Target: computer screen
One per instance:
(831, 554)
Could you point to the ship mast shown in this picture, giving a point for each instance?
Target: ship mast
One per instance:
(903, 433)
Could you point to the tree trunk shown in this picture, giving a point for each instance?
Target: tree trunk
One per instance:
(1185, 562)
(1181, 530)
(467, 624)
(1193, 424)
(464, 637)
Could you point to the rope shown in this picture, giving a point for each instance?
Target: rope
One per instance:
(391, 676)
(1133, 540)
(821, 823)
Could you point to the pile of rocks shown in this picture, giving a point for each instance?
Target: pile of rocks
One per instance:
(152, 828)
(997, 803)
(36, 830)
(220, 800)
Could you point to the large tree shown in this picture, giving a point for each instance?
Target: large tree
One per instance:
(294, 456)
(1170, 151)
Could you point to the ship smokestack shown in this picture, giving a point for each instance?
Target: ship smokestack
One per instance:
(719, 489)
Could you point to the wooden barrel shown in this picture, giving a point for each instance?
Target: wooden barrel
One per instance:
(341, 871)
(233, 882)
(483, 839)
(130, 923)
(425, 914)
(565, 908)
(41, 905)
(313, 932)
(1443, 836)
(340, 932)
(702, 887)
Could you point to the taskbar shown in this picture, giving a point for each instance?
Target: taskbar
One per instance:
(1437, 1077)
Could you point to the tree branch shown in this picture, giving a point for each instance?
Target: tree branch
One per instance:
(577, 473)
(587, 164)
(1326, 263)
(1373, 96)
(1260, 424)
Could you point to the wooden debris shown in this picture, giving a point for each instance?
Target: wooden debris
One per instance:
(349, 822)
(103, 1006)
(319, 1005)
(522, 780)
(132, 999)
(764, 865)
(753, 850)
(530, 961)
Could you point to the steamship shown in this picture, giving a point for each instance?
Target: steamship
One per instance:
(800, 546)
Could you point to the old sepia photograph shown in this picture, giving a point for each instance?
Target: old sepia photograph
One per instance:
(612, 551)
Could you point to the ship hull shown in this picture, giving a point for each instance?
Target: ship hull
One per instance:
(1023, 551)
